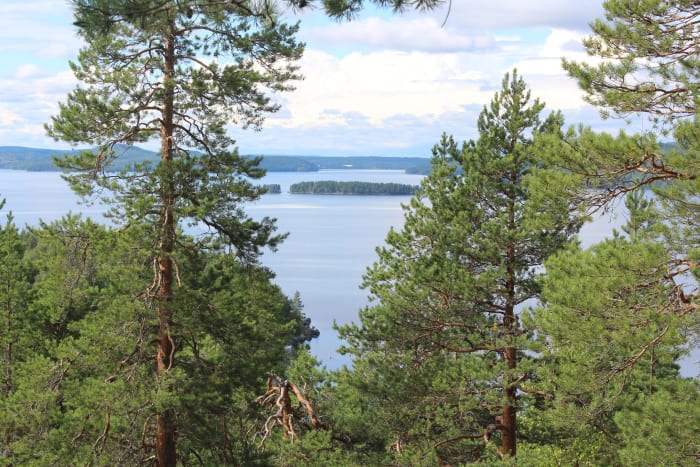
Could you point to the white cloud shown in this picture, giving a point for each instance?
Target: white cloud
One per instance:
(57, 50)
(33, 96)
(424, 34)
(545, 75)
(562, 42)
(504, 14)
(559, 92)
(383, 84)
(7, 117)
(37, 29)
(27, 71)
(379, 86)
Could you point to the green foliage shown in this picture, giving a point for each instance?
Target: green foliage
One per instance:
(439, 355)
(649, 62)
(444, 357)
(644, 218)
(15, 295)
(180, 72)
(662, 426)
(349, 9)
(619, 316)
(648, 68)
(333, 187)
(610, 340)
(82, 390)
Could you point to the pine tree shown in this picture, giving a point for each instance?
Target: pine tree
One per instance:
(84, 393)
(159, 70)
(14, 296)
(442, 346)
(21, 333)
(649, 63)
(610, 340)
(648, 69)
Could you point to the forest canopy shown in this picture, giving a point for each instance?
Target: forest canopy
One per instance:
(334, 187)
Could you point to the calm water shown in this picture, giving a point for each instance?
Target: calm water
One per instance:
(332, 238)
(331, 241)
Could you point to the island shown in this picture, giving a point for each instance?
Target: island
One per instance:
(272, 188)
(333, 187)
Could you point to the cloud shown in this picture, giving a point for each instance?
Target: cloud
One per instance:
(33, 95)
(27, 71)
(401, 135)
(456, 25)
(57, 50)
(380, 85)
(37, 28)
(507, 14)
(7, 117)
(544, 74)
(424, 34)
(558, 92)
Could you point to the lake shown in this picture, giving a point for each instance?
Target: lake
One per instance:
(331, 241)
(332, 238)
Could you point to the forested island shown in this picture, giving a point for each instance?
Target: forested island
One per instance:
(273, 188)
(334, 187)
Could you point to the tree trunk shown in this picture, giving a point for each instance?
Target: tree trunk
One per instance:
(165, 435)
(508, 423)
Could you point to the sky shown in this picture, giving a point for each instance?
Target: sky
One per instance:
(381, 85)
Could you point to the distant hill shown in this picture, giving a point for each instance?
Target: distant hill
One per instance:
(23, 158)
(365, 162)
(33, 159)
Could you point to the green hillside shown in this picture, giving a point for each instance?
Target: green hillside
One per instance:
(33, 159)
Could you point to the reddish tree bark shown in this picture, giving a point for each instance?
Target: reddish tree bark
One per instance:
(165, 420)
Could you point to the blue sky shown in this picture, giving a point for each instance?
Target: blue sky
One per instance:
(382, 84)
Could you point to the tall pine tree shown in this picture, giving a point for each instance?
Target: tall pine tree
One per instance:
(620, 314)
(442, 348)
(179, 72)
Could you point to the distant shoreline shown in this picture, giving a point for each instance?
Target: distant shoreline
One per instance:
(41, 160)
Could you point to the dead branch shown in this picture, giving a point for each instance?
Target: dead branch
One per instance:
(287, 415)
(631, 361)
(315, 422)
(60, 371)
(99, 444)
